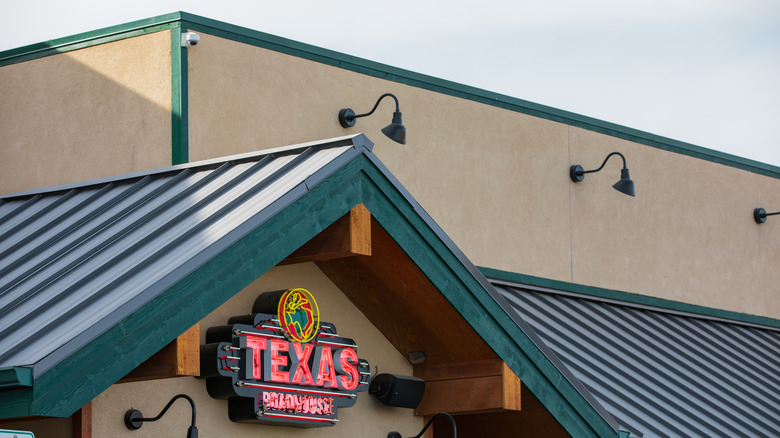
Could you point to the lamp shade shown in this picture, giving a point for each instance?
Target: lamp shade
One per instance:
(396, 131)
(625, 185)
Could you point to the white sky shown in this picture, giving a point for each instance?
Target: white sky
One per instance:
(706, 72)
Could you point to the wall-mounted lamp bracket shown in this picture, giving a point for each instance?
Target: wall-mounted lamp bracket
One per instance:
(760, 215)
(347, 118)
(577, 173)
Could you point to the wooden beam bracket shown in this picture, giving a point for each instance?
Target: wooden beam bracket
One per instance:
(350, 235)
(468, 388)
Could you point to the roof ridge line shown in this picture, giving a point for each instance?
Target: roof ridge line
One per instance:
(357, 140)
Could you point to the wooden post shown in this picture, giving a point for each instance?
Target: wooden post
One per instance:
(81, 422)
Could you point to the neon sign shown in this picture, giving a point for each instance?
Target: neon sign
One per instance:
(268, 375)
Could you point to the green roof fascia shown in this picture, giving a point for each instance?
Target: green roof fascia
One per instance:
(91, 38)
(644, 300)
(383, 71)
(15, 391)
(185, 20)
(416, 233)
(73, 382)
(15, 377)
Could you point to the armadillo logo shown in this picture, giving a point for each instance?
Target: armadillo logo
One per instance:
(299, 315)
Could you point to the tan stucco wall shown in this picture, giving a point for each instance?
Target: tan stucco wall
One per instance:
(689, 235)
(89, 113)
(497, 181)
(493, 157)
(368, 417)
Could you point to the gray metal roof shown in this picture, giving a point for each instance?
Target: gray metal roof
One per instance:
(660, 373)
(76, 259)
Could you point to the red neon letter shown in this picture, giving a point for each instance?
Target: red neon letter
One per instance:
(257, 345)
(348, 375)
(325, 372)
(274, 361)
(302, 374)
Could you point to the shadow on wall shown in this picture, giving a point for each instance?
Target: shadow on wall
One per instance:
(89, 113)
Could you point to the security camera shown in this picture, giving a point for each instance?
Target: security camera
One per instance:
(189, 39)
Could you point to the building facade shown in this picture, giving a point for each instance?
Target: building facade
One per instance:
(482, 181)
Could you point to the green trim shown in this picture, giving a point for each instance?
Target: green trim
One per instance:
(449, 274)
(15, 392)
(283, 45)
(15, 376)
(76, 380)
(16, 402)
(88, 39)
(383, 71)
(179, 99)
(628, 297)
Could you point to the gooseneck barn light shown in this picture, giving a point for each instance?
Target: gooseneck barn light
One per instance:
(395, 434)
(760, 215)
(134, 419)
(394, 131)
(625, 185)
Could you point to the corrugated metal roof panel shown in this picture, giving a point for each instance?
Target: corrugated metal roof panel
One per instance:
(661, 374)
(76, 259)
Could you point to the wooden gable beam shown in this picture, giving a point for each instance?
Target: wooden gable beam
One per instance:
(348, 236)
(468, 388)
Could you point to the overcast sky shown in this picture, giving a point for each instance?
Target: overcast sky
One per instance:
(706, 72)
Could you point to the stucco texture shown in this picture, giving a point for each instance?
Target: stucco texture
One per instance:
(88, 113)
(497, 180)
(481, 172)
(368, 417)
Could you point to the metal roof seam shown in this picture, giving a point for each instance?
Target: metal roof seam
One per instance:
(29, 240)
(586, 351)
(501, 299)
(246, 191)
(684, 377)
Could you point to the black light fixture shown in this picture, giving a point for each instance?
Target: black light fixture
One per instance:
(395, 434)
(397, 390)
(625, 185)
(760, 215)
(134, 419)
(394, 131)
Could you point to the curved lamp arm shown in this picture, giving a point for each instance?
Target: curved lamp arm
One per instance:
(347, 116)
(452, 420)
(397, 107)
(605, 162)
(134, 419)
